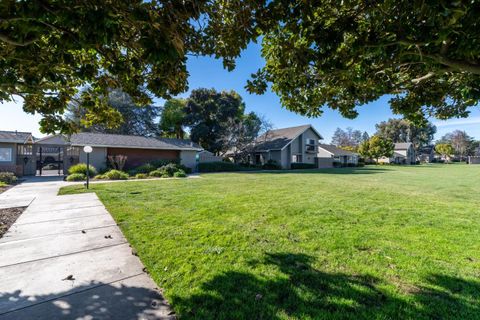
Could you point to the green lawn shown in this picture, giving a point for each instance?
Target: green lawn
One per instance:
(374, 243)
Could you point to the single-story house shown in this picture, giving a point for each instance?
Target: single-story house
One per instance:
(64, 151)
(286, 146)
(13, 146)
(207, 156)
(403, 153)
(339, 156)
(426, 154)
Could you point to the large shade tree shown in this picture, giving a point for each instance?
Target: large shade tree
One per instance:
(349, 139)
(133, 119)
(460, 141)
(376, 147)
(172, 119)
(209, 115)
(318, 53)
(401, 130)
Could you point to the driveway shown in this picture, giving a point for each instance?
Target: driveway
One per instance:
(65, 258)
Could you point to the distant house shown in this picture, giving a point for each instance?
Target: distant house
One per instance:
(426, 154)
(339, 156)
(207, 156)
(21, 154)
(403, 153)
(287, 146)
(13, 146)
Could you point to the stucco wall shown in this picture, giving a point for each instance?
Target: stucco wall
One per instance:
(98, 157)
(322, 153)
(286, 157)
(187, 158)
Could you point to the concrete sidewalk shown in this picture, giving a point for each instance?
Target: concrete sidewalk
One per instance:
(65, 258)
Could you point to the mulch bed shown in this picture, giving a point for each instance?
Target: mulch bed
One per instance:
(8, 217)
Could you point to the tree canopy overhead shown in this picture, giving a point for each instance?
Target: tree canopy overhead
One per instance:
(425, 54)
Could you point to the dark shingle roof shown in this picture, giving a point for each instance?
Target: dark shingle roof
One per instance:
(14, 136)
(279, 138)
(402, 145)
(336, 151)
(127, 141)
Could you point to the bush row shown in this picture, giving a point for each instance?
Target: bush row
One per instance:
(79, 171)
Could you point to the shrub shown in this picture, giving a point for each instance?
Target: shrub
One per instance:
(144, 168)
(180, 174)
(301, 165)
(76, 177)
(156, 173)
(8, 177)
(82, 168)
(116, 175)
(170, 169)
(163, 162)
(141, 176)
(99, 177)
(271, 165)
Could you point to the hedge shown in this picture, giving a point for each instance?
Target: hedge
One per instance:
(301, 165)
(221, 166)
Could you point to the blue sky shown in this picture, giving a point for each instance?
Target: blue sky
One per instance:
(209, 73)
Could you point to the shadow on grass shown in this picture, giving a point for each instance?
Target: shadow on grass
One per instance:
(302, 292)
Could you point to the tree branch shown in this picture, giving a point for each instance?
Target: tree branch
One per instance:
(422, 78)
(16, 43)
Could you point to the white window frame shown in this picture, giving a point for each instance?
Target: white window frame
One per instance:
(11, 154)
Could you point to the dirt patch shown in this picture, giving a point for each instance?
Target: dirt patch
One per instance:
(8, 217)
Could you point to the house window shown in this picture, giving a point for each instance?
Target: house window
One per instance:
(310, 142)
(310, 148)
(296, 158)
(5, 154)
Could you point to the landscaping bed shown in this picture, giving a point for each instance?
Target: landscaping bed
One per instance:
(379, 242)
(8, 217)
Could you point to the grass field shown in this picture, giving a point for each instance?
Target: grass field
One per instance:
(382, 242)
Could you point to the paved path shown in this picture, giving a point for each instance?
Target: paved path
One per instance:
(65, 258)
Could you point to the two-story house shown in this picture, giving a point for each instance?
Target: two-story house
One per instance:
(286, 146)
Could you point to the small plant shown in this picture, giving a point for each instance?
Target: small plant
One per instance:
(169, 169)
(144, 168)
(82, 168)
(163, 162)
(76, 177)
(116, 175)
(180, 174)
(141, 176)
(117, 162)
(100, 177)
(156, 173)
(8, 177)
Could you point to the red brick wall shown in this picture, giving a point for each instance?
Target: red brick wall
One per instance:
(137, 157)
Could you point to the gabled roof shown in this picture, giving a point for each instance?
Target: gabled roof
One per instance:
(336, 151)
(15, 137)
(280, 138)
(125, 141)
(426, 149)
(402, 145)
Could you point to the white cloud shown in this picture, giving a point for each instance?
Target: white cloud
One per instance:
(458, 122)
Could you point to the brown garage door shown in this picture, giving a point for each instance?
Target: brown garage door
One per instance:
(137, 157)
